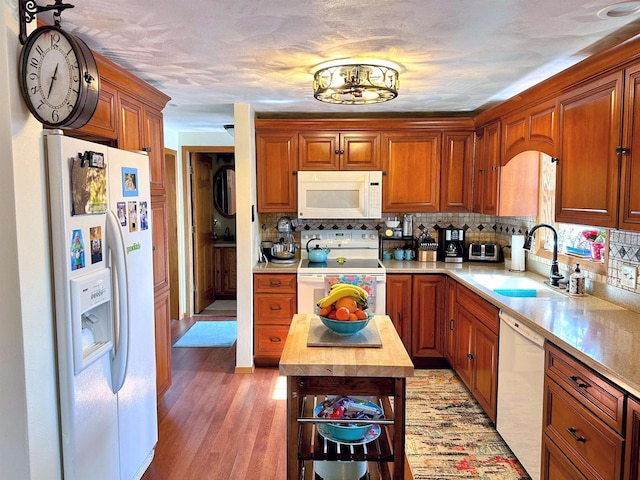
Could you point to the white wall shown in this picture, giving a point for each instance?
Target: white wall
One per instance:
(247, 229)
(29, 438)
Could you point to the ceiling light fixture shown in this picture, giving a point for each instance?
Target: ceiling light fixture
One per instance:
(355, 84)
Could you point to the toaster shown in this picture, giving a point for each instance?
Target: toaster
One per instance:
(484, 252)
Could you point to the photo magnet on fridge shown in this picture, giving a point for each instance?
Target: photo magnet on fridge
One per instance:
(122, 213)
(133, 216)
(88, 188)
(77, 250)
(129, 182)
(96, 244)
(144, 223)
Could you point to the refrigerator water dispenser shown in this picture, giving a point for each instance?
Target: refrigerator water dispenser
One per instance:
(91, 318)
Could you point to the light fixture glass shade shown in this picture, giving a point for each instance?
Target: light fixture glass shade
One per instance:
(355, 84)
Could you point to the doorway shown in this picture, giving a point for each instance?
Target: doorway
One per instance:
(207, 226)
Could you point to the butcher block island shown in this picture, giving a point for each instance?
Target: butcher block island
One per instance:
(372, 374)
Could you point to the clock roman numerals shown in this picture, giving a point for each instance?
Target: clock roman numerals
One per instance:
(53, 64)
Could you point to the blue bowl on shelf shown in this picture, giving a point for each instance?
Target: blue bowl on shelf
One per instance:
(345, 327)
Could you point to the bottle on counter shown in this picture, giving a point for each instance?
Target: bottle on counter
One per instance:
(407, 226)
(576, 282)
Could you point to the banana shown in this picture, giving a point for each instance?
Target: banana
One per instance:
(359, 294)
(362, 291)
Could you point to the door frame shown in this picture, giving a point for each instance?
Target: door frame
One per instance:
(187, 150)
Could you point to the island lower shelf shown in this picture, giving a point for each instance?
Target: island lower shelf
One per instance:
(384, 455)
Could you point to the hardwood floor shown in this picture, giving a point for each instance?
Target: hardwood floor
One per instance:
(216, 424)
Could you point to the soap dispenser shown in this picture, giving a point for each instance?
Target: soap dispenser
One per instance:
(576, 282)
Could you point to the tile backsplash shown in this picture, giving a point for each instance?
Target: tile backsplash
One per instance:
(624, 247)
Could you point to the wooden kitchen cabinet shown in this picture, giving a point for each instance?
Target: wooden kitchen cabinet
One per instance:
(276, 166)
(485, 180)
(427, 330)
(398, 305)
(535, 128)
(415, 304)
(449, 320)
(583, 417)
(162, 322)
(275, 303)
(475, 345)
(225, 271)
(632, 454)
(326, 150)
(412, 165)
(587, 176)
(456, 171)
(629, 215)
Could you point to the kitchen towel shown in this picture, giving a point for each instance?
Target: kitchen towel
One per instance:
(517, 253)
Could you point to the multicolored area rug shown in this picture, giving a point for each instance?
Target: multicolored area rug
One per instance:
(448, 435)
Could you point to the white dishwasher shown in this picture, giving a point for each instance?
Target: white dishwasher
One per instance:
(521, 392)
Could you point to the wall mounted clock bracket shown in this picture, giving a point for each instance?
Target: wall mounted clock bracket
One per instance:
(28, 9)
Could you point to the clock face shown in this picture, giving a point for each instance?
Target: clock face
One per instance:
(55, 78)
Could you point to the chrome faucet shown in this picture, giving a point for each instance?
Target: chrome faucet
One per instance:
(554, 275)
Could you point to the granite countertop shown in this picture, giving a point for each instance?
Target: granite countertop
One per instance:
(601, 334)
(271, 267)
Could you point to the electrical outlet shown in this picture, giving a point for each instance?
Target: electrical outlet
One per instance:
(629, 276)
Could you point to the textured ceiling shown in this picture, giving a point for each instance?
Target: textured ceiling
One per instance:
(453, 55)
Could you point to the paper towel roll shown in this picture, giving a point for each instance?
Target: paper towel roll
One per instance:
(517, 253)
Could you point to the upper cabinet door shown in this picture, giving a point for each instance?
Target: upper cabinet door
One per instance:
(456, 173)
(587, 177)
(629, 218)
(276, 162)
(360, 151)
(339, 151)
(491, 169)
(412, 165)
(319, 151)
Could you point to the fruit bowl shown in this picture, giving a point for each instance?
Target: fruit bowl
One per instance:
(345, 327)
(392, 223)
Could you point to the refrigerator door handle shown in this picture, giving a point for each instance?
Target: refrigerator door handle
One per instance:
(115, 242)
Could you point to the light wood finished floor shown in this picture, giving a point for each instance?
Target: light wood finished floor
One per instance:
(215, 424)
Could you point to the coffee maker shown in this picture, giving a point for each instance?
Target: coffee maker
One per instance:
(451, 245)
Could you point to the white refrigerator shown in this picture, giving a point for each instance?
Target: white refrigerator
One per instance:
(100, 206)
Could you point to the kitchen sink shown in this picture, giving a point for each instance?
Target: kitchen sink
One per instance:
(510, 286)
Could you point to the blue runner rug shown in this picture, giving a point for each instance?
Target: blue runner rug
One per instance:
(209, 334)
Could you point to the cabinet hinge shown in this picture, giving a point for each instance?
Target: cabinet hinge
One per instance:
(621, 150)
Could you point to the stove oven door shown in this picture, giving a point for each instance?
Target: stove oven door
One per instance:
(313, 286)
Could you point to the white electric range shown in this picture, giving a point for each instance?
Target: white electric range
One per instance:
(353, 258)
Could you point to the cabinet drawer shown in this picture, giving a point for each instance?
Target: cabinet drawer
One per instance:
(274, 309)
(479, 307)
(269, 340)
(274, 283)
(555, 466)
(587, 441)
(594, 392)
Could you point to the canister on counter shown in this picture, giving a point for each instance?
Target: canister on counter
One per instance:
(576, 282)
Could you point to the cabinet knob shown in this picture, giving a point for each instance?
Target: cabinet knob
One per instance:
(275, 339)
(275, 307)
(578, 381)
(451, 324)
(146, 149)
(399, 317)
(470, 356)
(555, 159)
(274, 283)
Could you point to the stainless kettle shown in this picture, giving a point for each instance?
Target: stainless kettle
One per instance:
(317, 255)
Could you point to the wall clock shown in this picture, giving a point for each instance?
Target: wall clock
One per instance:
(59, 78)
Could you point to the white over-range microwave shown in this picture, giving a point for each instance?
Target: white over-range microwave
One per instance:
(340, 194)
